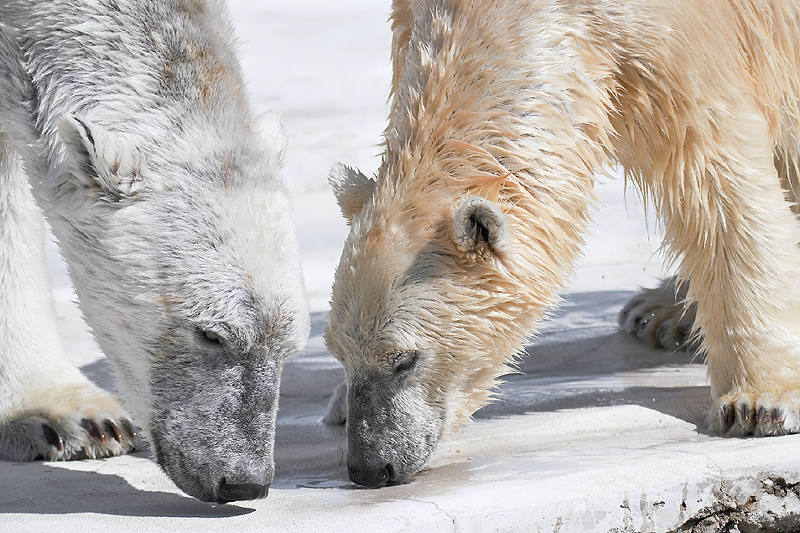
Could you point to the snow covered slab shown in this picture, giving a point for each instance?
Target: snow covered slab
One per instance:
(611, 441)
(596, 433)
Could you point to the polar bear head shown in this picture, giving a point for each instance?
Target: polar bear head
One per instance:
(184, 257)
(429, 306)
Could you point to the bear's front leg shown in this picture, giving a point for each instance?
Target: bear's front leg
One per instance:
(336, 412)
(48, 409)
(660, 317)
(738, 238)
(63, 420)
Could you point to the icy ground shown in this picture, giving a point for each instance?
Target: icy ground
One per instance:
(596, 434)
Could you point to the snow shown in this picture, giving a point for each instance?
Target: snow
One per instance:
(596, 433)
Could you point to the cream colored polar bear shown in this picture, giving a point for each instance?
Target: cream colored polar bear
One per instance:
(502, 113)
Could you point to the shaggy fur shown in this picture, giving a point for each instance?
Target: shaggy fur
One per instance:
(131, 122)
(521, 103)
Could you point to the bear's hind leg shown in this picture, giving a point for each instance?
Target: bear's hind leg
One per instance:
(48, 409)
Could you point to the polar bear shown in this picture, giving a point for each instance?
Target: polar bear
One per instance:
(128, 125)
(502, 113)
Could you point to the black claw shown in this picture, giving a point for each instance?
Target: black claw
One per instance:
(744, 413)
(128, 428)
(112, 430)
(777, 415)
(52, 437)
(764, 416)
(727, 415)
(91, 427)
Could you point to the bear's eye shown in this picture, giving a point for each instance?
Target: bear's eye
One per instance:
(405, 361)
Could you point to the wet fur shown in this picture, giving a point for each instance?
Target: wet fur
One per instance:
(522, 104)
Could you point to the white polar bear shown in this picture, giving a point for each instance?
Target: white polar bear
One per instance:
(131, 124)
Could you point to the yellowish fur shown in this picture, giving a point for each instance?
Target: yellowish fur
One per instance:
(523, 103)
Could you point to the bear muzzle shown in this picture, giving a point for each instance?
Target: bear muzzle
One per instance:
(373, 476)
(231, 492)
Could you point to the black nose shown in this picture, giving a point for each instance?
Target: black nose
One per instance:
(371, 476)
(231, 492)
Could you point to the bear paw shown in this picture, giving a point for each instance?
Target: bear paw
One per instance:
(95, 427)
(659, 318)
(758, 414)
(336, 414)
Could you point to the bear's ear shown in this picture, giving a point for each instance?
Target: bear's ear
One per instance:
(101, 160)
(480, 228)
(351, 188)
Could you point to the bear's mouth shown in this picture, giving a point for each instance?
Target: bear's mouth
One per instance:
(375, 470)
(178, 471)
(218, 480)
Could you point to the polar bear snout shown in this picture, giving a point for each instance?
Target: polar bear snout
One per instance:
(389, 459)
(392, 431)
(213, 424)
(231, 492)
(222, 468)
(371, 475)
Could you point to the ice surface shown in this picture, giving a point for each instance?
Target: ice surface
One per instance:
(596, 433)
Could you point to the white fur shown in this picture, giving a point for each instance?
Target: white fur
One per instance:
(138, 142)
